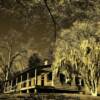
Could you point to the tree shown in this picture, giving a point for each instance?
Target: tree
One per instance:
(86, 61)
(78, 53)
(9, 51)
(35, 60)
(91, 64)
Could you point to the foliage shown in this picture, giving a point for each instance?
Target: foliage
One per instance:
(78, 52)
(65, 12)
(35, 60)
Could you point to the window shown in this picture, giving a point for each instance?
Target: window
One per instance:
(49, 76)
(42, 80)
(29, 83)
(23, 84)
(31, 74)
(24, 77)
(62, 78)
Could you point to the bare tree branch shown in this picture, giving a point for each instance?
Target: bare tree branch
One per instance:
(53, 20)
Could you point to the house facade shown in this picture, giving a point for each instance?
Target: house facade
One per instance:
(29, 80)
(33, 80)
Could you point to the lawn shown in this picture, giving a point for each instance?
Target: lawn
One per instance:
(54, 96)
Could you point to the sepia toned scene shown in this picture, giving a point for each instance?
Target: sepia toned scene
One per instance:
(49, 49)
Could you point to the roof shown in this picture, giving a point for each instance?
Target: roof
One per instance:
(42, 68)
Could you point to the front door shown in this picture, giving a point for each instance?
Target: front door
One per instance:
(42, 80)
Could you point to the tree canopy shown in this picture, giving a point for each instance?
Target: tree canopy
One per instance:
(35, 60)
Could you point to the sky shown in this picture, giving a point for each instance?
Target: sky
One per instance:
(38, 33)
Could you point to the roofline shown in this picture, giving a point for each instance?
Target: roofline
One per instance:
(29, 69)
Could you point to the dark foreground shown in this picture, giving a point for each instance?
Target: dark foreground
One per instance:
(47, 97)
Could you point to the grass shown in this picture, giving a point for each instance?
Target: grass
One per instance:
(53, 96)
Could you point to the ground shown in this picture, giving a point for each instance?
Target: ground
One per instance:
(55, 96)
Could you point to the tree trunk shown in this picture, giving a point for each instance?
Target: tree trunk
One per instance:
(7, 74)
(94, 92)
(53, 77)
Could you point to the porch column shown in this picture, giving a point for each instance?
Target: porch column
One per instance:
(20, 84)
(21, 79)
(35, 90)
(35, 76)
(27, 82)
